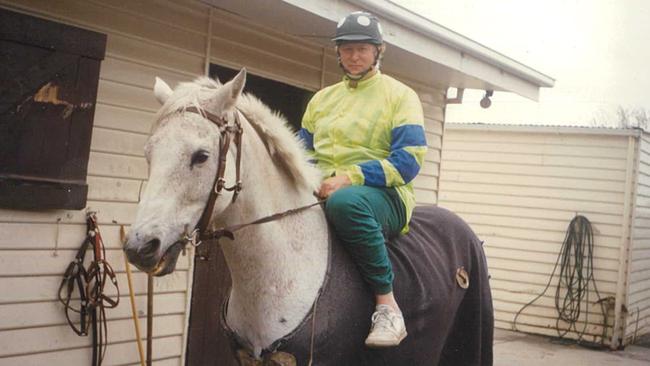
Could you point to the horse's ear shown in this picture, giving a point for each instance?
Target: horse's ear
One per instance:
(225, 98)
(238, 82)
(161, 90)
(234, 88)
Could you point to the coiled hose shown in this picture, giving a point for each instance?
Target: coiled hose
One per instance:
(576, 271)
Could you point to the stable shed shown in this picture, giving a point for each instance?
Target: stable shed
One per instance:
(520, 186)
(283, 42)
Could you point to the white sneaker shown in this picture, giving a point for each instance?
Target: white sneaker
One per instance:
(387, 329)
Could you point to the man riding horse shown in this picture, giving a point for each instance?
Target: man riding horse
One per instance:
(366, 135)
(295, 291)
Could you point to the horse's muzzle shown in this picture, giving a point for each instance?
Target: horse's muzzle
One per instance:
(145, 255)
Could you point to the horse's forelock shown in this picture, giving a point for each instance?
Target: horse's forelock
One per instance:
(187, 94)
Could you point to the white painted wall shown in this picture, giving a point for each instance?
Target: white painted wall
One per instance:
(519, 187)
(145, 39)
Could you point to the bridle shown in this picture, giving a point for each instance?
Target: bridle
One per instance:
(229, 132)
(90, 285)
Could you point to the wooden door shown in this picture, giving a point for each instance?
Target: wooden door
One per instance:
(207, 343)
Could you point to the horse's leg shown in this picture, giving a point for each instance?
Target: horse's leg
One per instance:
(471, 337)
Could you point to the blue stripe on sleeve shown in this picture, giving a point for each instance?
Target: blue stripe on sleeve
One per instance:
(373, 173)
(307, 137)
(407, 135)
(405, 164)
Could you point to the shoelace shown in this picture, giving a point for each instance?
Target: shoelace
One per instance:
(381, 319)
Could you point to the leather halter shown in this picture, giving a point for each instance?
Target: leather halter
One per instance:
(229, 132)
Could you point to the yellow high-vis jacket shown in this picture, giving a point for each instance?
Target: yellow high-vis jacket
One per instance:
(373, 133)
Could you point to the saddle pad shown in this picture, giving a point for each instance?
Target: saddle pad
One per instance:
(447, 324)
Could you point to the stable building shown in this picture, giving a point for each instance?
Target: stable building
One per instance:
(89, 66)
(519, 187)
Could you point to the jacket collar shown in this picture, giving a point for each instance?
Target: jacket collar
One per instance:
(371, 78)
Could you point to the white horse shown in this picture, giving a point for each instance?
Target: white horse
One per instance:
(277, 268)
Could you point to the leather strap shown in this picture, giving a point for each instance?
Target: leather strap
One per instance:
(229, 231)
(75, 278)
(229, 133)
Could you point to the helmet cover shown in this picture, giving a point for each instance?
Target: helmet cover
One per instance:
(359, 27)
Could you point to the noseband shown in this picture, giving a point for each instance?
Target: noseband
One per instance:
(229, 132)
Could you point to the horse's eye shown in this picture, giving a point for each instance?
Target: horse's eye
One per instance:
(199, 157)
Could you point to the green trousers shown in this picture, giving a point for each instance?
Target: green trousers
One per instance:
(364, 218)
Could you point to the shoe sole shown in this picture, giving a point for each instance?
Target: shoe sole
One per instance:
(384, 344)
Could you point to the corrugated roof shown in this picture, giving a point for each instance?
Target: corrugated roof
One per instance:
(547, 128)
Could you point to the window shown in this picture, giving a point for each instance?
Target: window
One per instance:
(49, 74)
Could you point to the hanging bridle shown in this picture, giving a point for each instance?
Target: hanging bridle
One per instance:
(89, 284)
(229, 132)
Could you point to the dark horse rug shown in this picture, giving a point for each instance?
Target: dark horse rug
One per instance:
(447, 323)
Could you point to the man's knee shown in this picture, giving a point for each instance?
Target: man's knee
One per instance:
(343, 204)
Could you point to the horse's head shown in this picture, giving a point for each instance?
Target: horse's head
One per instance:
(182, 154)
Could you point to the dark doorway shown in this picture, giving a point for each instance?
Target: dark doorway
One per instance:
(207, 344)
(287, 99)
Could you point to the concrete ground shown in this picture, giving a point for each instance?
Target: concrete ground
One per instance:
(519, 349)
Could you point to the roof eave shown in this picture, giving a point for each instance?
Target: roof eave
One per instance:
(495, 68)
(463, 44)
(420, 50)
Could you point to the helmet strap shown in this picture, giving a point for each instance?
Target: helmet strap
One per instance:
(356, 77)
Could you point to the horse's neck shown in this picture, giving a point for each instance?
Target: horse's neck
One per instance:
(276, 268)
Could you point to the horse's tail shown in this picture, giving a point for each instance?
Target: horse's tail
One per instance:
(471, 337)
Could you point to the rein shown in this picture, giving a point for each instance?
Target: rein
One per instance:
(228, 231)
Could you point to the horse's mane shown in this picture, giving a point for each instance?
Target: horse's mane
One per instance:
(285, 148)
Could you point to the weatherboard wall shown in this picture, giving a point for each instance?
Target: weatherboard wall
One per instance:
(518, 188)
(145, 39)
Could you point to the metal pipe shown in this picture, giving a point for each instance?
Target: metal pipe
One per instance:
(322, 68)
(624, 248)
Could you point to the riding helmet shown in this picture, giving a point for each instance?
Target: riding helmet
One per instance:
(359, 27)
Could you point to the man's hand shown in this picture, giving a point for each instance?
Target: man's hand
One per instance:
(332, 184)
